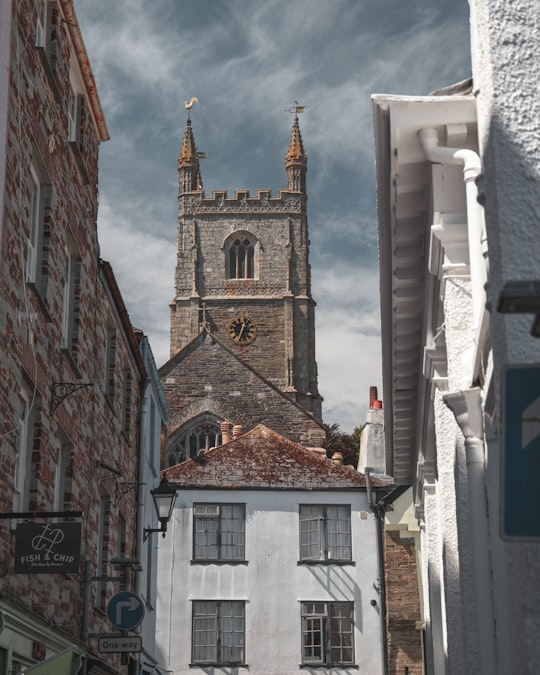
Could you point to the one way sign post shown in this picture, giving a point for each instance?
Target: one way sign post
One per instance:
(521, 452)
(125, 610)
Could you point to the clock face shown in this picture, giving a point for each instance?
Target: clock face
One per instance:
(242, 330)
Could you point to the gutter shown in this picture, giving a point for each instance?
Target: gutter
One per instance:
(472, 167)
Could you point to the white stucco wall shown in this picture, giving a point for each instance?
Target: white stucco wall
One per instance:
(272, 583)
(506, 70)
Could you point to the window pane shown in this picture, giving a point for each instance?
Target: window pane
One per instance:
(232, 532)
(232, 632)
(205, 624)
(341, 632)
(206, 538)
(338, 530)
(311, 532)
(219, 532)
(218, 632)
(313, 640)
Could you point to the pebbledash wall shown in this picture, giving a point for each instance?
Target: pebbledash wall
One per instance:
(506, 70)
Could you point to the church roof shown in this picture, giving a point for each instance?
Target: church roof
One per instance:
(296, 147)
(209, 376)
(262, 459)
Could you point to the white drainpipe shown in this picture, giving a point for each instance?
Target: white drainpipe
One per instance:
(475, 213)
(467, 409)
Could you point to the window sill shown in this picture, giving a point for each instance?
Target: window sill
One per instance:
(219, 562)
(215, 664)
(328, 666)
(339, 563)
(40, 300)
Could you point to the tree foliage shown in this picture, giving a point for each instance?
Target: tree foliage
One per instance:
(347, 444)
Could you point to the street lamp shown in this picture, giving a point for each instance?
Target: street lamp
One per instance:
(164, 497)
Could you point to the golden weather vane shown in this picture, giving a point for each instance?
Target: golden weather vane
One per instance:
(296, 108)
(189, 104)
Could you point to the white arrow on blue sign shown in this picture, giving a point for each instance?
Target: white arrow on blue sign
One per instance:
(521, 452)
(125, 610)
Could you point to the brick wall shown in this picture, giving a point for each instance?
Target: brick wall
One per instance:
(34, 360)
(404, 639)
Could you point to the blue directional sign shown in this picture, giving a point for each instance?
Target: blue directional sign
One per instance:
(521, 452)
(125, 610)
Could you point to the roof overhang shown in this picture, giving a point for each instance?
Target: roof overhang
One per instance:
(403, 205)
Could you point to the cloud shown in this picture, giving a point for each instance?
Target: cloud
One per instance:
(247, 62)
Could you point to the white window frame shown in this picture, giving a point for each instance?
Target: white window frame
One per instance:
(103, 547)
(218, 632)
(72, 278)
(325, 532)
(22, 473)
(110, 363)
(327, 633)
(62, 482)
(36, 224)
(127, 402)
(75, 108)
(44, 28)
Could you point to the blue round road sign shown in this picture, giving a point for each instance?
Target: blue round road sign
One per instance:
(125, 610)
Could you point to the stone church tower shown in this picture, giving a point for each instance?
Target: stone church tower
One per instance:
(243, 274)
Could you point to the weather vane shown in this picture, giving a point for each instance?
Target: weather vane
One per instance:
(296, 108)
(189, 105)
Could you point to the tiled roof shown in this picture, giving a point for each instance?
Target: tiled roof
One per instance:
(262, 458)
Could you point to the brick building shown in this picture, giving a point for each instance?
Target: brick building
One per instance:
(243, 301)
(80, 404)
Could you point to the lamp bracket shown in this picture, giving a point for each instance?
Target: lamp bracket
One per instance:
(121, 490)
(61, 390)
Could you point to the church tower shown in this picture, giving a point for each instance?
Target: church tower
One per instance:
(243, 274)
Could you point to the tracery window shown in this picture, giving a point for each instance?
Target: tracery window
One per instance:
(241, 253)
(203, 436)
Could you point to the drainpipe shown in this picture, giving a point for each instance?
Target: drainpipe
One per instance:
(467, 409)
(472, 166)
(378, 511)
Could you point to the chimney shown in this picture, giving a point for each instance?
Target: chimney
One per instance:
(374, 402)
(237, 431)
(372, 450)
(226, 432)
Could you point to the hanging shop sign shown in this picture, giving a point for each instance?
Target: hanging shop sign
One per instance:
(50, 548)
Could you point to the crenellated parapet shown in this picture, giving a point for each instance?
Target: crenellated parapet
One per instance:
(242, 202)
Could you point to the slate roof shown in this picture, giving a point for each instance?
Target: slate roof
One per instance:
(208, 376)
(262, 459)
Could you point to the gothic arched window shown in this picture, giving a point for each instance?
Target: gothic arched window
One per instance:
(241, 253)
(202, 436)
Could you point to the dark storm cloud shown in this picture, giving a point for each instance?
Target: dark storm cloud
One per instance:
(247, 62)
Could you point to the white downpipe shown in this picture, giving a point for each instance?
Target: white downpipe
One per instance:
(467, 409)
(472, 166)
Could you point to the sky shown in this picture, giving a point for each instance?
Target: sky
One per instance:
(248, 61)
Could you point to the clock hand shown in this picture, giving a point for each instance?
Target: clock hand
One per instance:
(242, 330)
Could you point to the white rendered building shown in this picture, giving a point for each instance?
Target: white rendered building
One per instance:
(269, 564)
(458, 193)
